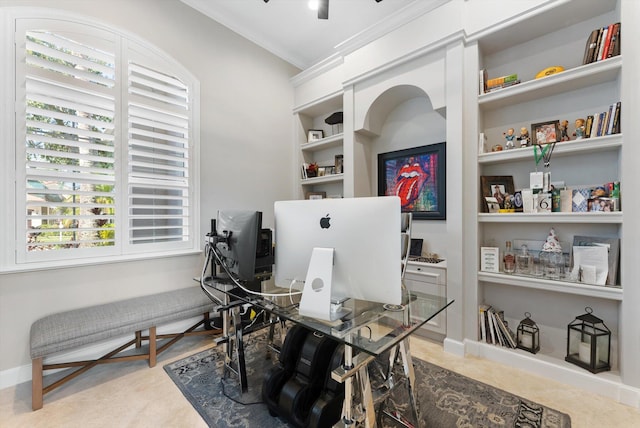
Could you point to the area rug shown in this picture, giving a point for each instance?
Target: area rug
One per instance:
(445, 398)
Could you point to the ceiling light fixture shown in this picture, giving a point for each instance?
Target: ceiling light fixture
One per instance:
(323, 9)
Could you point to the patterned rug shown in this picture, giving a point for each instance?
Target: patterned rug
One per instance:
(446, 399)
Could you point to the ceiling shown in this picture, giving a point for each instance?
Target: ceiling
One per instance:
(292, 31)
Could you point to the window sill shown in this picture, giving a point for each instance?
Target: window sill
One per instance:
(31, 267)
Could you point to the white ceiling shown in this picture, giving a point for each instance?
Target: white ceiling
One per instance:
(292, 31)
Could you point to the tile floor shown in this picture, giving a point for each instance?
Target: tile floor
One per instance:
(133, 395)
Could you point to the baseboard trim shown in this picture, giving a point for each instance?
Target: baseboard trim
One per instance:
(608, 384)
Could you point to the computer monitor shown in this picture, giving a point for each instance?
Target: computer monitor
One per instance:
(356, 247)
(243, 246)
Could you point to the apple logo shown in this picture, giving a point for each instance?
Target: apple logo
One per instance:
(324, 222)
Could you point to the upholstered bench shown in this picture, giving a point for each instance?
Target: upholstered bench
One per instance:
(72, 329)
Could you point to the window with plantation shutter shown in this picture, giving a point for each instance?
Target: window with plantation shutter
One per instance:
(104, 145)
(158, 147)
(70, 145)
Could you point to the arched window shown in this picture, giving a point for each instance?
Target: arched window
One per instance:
(105, 136)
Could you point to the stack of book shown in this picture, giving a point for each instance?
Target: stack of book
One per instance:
(604, 123)
(602, 43)
(494, 329)
(489, 85)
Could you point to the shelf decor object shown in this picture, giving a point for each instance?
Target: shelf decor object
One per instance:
(589, 343)
(528, 335)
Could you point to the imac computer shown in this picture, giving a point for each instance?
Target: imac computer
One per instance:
(336, 249)
(243, 246)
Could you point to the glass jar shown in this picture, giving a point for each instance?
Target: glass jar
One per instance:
(524, 261)
(553, 263)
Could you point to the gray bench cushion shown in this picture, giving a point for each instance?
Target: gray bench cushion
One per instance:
(67, 330)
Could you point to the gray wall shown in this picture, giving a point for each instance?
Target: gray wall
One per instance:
(246, 134)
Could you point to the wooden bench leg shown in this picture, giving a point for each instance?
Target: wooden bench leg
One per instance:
(152, 347)
(36, 383)
(138, 339)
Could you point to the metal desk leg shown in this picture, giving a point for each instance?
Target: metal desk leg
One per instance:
(347, 409)
(239, 347)
(409, 372)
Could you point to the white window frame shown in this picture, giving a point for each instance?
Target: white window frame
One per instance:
(13, 255)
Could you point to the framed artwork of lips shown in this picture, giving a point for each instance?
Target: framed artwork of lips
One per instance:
(418, 176)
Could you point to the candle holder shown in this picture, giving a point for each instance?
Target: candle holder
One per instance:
(528, 335)
(589, 343)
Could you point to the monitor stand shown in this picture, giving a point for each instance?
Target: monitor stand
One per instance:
(316, 295)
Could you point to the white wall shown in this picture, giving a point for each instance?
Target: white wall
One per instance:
(413, 123)
(246, 134)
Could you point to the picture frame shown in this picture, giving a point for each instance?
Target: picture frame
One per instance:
(339, 164)
(488, 188)
(418, 176)
(545, 132)
(613, 246)
(315, 135)
(315, 195)
(490, 259)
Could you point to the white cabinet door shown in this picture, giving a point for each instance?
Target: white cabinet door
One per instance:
(431, 280)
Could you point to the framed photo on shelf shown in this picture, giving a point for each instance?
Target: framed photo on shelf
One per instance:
(418, 176)
(339, 164)
(490, 259)
(315, 135)
(315, 195)
(545, 132)
(497, 187)
(613, 250)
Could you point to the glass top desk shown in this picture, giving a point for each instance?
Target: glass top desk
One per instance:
(367, 332)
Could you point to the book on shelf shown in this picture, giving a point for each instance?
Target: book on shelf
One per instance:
(602, 43)
(508, 335)
(487, 85)
(493, 328)
(483, 321)
(603, 123)
(502, 86)
(498, 81)
(483, 81)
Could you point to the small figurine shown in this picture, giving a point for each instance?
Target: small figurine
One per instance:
(509, 136)
(552, 244)
(579, 134)
(564, 130)
(496, 148)
(524, 137)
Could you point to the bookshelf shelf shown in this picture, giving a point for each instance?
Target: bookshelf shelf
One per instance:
(565, 148)
(600, 292)
(332, 178)
(546, 218)
(576, 78)
(325, 143)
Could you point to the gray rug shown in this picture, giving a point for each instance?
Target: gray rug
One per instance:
(446, 399)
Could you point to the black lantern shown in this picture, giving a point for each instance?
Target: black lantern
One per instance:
(589, 343)
(528, 335)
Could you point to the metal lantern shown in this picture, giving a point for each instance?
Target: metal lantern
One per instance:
(528, 335)
(589, 343)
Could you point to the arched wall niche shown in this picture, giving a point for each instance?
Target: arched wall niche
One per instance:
(375, 98)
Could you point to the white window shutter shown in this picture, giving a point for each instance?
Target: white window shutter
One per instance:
(158, 156)
(70, 163)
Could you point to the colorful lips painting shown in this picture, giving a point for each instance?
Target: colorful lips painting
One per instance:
(417, 176)
(410, 180)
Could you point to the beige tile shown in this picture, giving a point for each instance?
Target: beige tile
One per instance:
(133, 395)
